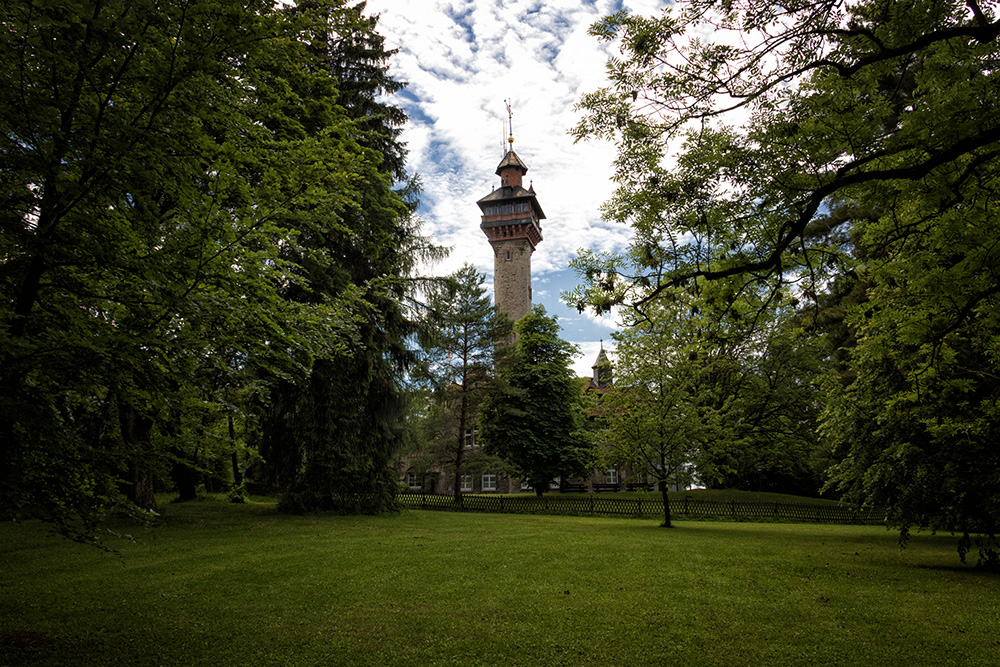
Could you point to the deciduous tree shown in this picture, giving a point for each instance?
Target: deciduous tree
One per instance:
(531, 416)
(865, 144)
(153, 156)
(657, 417)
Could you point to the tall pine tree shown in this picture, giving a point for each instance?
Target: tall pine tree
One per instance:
(328, 439)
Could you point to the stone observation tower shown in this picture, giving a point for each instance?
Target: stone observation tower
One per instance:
(511, 222)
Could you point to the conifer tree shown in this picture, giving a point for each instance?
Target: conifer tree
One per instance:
(460, 360)
(329, 438)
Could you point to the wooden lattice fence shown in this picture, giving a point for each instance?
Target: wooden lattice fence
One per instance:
(681, 507)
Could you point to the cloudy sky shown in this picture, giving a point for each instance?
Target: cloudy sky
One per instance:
(461, 60)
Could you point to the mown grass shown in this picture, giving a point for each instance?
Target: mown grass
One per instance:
(220, 584)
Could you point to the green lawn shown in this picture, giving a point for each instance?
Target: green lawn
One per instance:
(221, 584)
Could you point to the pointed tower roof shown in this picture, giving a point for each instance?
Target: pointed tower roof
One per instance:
(602, 358)
(512, 160)
(510, 170)
(602, 370)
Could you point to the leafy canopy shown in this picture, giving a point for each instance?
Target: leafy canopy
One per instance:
(791, 148)
(532, 416)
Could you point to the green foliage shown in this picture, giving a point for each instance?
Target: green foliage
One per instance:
(865, 163)
(123, 221)
(723, 400)
(169, 171)
(770, 414)
(238, 494)
(462, 329)
(925, 360)
(657, 416)
(531, 415)
(359, 62)
(329, 438)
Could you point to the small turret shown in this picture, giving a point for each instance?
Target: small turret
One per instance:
(602, 370)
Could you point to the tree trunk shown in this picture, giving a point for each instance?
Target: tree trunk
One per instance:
(183, 468)
(666, 505)
(539, 491)
(463, 422)
(237, 473)
(186, 476)
(137, 431)
(458, 471)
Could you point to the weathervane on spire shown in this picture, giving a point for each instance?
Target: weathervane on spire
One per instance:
(510, 124)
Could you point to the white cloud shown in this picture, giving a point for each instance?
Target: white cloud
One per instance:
(611, 320)
(461, 60)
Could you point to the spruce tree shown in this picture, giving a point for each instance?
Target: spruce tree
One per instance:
(460, 363)
(328, 438)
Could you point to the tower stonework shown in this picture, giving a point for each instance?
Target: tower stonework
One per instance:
(512, 223)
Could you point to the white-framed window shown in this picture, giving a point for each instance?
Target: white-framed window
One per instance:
(466, 484)
(524, 485)
(472, 437)
(412, 481)
(556, 483)
(489, 481)
(611, 475)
